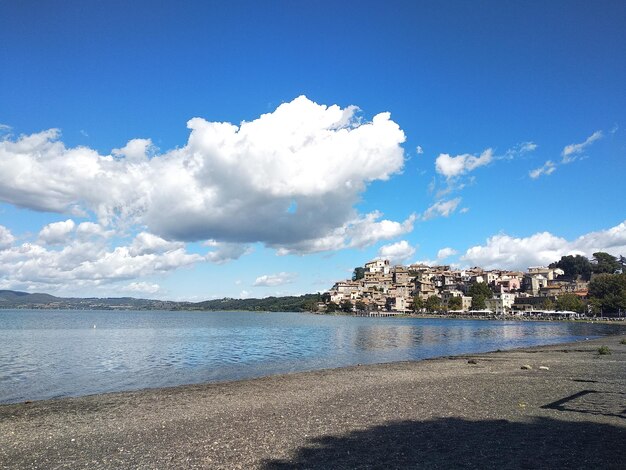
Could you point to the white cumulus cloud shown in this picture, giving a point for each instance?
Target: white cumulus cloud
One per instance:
(446, 253)
(147, 243)
(452, 167)
(6, 237)
(396, 253)
(288, 179)
(89, 262)
(57, 232)
(90, 229)
(271, 280)
(504, 251)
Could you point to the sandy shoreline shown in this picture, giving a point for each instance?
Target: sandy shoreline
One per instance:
(436, 413)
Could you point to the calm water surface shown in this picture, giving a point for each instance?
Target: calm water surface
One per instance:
(47, 354)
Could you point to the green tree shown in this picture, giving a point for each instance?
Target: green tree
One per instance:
(570, 302)
(310, 305)
(360, 306)
(346, 306)
(455, 303)
(574, 266)
(548, 304)
(479, 291)
(605, 263)
(332, 307)
(418, 304)
(433, 304)
(608, 292)
(358, 273)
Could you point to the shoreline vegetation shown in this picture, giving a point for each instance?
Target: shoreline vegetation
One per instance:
(558, 406)
(24, 300)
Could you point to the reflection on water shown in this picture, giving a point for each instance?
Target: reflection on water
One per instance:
(46, 354)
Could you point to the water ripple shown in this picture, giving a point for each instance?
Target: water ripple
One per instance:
(45, 354)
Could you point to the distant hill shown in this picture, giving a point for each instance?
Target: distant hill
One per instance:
(272, 304)
(16, 299)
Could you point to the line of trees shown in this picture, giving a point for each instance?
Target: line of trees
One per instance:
(607, 283)
(601, 263)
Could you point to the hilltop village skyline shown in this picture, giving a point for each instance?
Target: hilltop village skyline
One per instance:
(572, 285)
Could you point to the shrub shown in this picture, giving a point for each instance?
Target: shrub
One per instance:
(604, 350)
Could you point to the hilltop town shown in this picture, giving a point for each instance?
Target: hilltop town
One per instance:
(379, 288)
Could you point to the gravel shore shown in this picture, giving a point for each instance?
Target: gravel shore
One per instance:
(479, 411)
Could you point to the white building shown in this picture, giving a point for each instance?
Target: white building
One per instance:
(378, 266)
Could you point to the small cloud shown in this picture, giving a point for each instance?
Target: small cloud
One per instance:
(396, 253)
(520, 149)
(427, 262)
(441, 208)
(272, 280)
(244, 294)
(525, 147)
(419, 150)
(570, 152)
(432, 185)
(547, 169)
(6, 237)
(57, 232)
(446, 253)
(225, 252)
(142, 287)
(464, 210)
(614, 129)
(452, 167)
(90, 229)
(457, 169)
(84, 133)
(147, 243)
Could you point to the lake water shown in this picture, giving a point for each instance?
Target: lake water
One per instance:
(48, 354)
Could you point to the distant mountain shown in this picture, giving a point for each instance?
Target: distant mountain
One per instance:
(16, 299)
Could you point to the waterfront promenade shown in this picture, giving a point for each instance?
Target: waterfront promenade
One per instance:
(439, 413)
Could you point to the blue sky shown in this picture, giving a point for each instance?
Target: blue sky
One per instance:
(504, 145)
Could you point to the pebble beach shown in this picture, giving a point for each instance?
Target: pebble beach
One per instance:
(561, 406)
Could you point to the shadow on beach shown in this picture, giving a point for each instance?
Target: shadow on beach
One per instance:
(459, 443)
